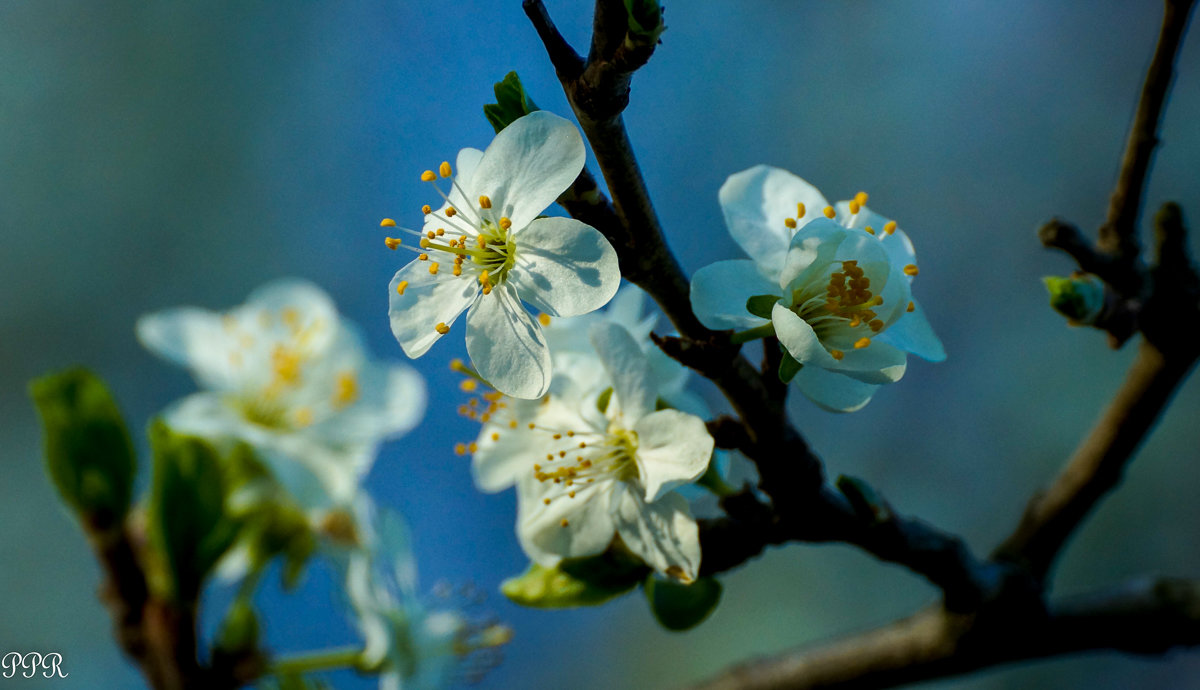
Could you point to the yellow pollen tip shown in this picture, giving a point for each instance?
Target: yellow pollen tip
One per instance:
(911, 307)
(544, 319)
(487, 289)
(440, 232)
(472, 447)
(401, 287)
(861, 198)
(387, 223)
(444, 169)
(451, 212)
(861, 343)
(485, 202)
(468, 385)
(426, 209)
(790, 223)
(392, 242)
(876, 325)
(456, 364)
(495, 436)
(457, 269)
(433, 268)
(889, 227)
(422, 257)
(505, 223)
(800, 211)
(460, 449)
(855, 207)
(428, 176)
(424, 243)
(442, 329)
(910, 270)
(546, 501)
(829, 212)
(870, 230)
(837, 354)
(564, 522)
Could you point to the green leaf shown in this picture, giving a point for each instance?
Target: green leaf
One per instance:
(677, 606)
(89, 455)
(645, 19)
(511, 102)
(788, 367)
(761, 305)
(187, 515)
(574, 582)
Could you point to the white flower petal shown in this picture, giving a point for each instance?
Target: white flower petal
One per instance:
(564, 267)
(829, 390)
(756, 202)
(912, 332)
(193, 338)
(506, 345)
(673, 449)
(814, 247)
(799, 339)
(662, 533)
(389, 401)
(589, 526)
(528, 165)
(427, 301)
(720, 290)
(627, 367)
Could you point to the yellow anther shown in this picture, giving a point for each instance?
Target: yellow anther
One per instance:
(440, 232)
(444, 169)
(855, 321)
(861, 343)
(876, 325)
(837, 354)
(392, 242)
(468, 385)
(546, 501)
(487, 289)
(829, 212)
(557, 436)
(911, 307)
(433, 268)
(544, 319)
(855, 207)
(442, 328)
(583, 444)
(889, 227)
(485, 201)
(424, 243)
(456, 364)
(800, 210)
(861, 198)
(531, 425)
(870, 230)
(910, 270)
(460, 449)
(790, 223)
(875, 301)
(401, 287)
(346, 390)
(426, 209)
(457, 268)
(564, 522)
(512, 424)
(483, 277)
(472, 447)
(304, 416)
(451, 212)
(422, 257)
(505, 223)
(428, 176)
(495, 436)
(286, 365)
(387, 223)
(481, 241)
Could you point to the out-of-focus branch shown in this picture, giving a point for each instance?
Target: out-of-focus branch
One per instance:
(1118, 236)
(1142, 617)
(1098, 463)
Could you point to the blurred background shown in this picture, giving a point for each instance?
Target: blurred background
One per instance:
(159, 154)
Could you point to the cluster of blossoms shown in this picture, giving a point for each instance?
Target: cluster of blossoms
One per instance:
(287, 376)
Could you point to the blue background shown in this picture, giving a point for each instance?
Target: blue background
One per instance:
(157, 154)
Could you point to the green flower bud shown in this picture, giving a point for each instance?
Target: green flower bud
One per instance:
(1080, 298)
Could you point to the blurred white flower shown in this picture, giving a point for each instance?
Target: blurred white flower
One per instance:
(486, 249)
(832, 283)
(411, 646)
(286, 374)
(592, 462)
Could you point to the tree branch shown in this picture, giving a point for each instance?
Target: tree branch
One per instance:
(1142, 617)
